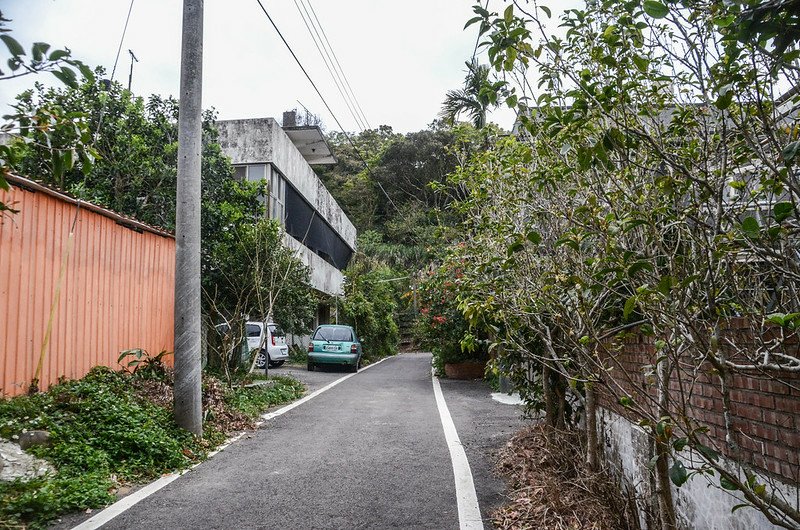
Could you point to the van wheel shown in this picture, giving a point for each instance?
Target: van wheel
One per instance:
(310, 366)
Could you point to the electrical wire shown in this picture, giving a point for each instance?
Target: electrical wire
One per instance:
(347, 82)
(121, 40)
(326, 58)
(113, 71)
(339, 73)
(314, 85)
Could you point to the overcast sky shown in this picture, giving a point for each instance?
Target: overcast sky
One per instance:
(400, 56)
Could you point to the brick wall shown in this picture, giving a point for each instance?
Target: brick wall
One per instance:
(765, 407)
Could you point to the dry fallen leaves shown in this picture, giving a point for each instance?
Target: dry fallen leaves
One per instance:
(551, 489)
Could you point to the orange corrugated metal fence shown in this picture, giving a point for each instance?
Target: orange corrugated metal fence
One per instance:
(117, 290)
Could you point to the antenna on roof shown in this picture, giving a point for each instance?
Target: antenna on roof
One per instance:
(130, 76)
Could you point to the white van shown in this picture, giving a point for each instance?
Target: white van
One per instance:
(275, 351)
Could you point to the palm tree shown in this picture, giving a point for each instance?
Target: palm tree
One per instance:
(472, 100)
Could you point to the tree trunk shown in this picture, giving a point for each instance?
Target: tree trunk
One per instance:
(549, 396)
(592, 448)
(666, 508)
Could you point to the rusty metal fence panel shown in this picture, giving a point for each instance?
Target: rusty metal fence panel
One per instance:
(116, 289)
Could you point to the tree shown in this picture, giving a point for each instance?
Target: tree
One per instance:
(50, 124)
(135, 146)
(653, 187)
(370, 305)
(249, 274)
(474, 99)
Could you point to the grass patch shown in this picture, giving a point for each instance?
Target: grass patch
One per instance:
(253, 400)
(110, 429)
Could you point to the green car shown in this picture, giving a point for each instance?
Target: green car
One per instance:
(334, 346)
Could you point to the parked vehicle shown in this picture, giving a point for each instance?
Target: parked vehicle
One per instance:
(335, 346)
(275, 351)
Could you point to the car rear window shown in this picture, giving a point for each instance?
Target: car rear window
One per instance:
(253, 330)
(337, 334)
(276, 330)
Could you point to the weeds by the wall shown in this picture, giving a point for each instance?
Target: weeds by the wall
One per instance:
(253, 400)
(111, 429)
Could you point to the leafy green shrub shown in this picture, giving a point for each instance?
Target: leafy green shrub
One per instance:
(254, 400)
(41, 499)
(98, 428)
(369, 305)
(104, 425)
(297, 354)
(441, 326)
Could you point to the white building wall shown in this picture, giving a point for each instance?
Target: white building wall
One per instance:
(324, 277)
(262, 140)
(698, 504)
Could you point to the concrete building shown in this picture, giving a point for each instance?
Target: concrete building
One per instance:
(315, 225)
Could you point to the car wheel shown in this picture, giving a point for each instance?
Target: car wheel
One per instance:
(261, 360)
(310, 366)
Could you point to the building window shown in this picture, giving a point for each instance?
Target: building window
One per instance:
(277, 196)
(256, 173)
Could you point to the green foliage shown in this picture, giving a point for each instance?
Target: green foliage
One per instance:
(139, 361)
(478, 95)
(254, 400)
(42, 58)
(441, 324)
(370, 306)
(249, 271)
(646, 186)
(105, 433)
(297, 354)
(398, 205)
(42, 499)
(52, 123)
(134, 159)
(99, 428)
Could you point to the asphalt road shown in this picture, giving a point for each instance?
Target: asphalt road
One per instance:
(368, 453)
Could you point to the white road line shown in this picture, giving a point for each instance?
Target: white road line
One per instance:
(290, 406)
(469, 512)
(127, 502)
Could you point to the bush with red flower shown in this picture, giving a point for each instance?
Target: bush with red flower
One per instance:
(441, 326)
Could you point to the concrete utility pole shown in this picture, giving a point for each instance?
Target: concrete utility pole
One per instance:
(187, 392)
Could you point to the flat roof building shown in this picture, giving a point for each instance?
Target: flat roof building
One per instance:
(315, 225)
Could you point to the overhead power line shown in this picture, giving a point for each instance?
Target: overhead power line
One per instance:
(121, 40)
(326, 58)
(339, 65)
(113, 71)
(314, 86)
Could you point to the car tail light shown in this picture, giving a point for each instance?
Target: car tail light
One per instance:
(353, 348)
(273, 340)
(310, 346)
